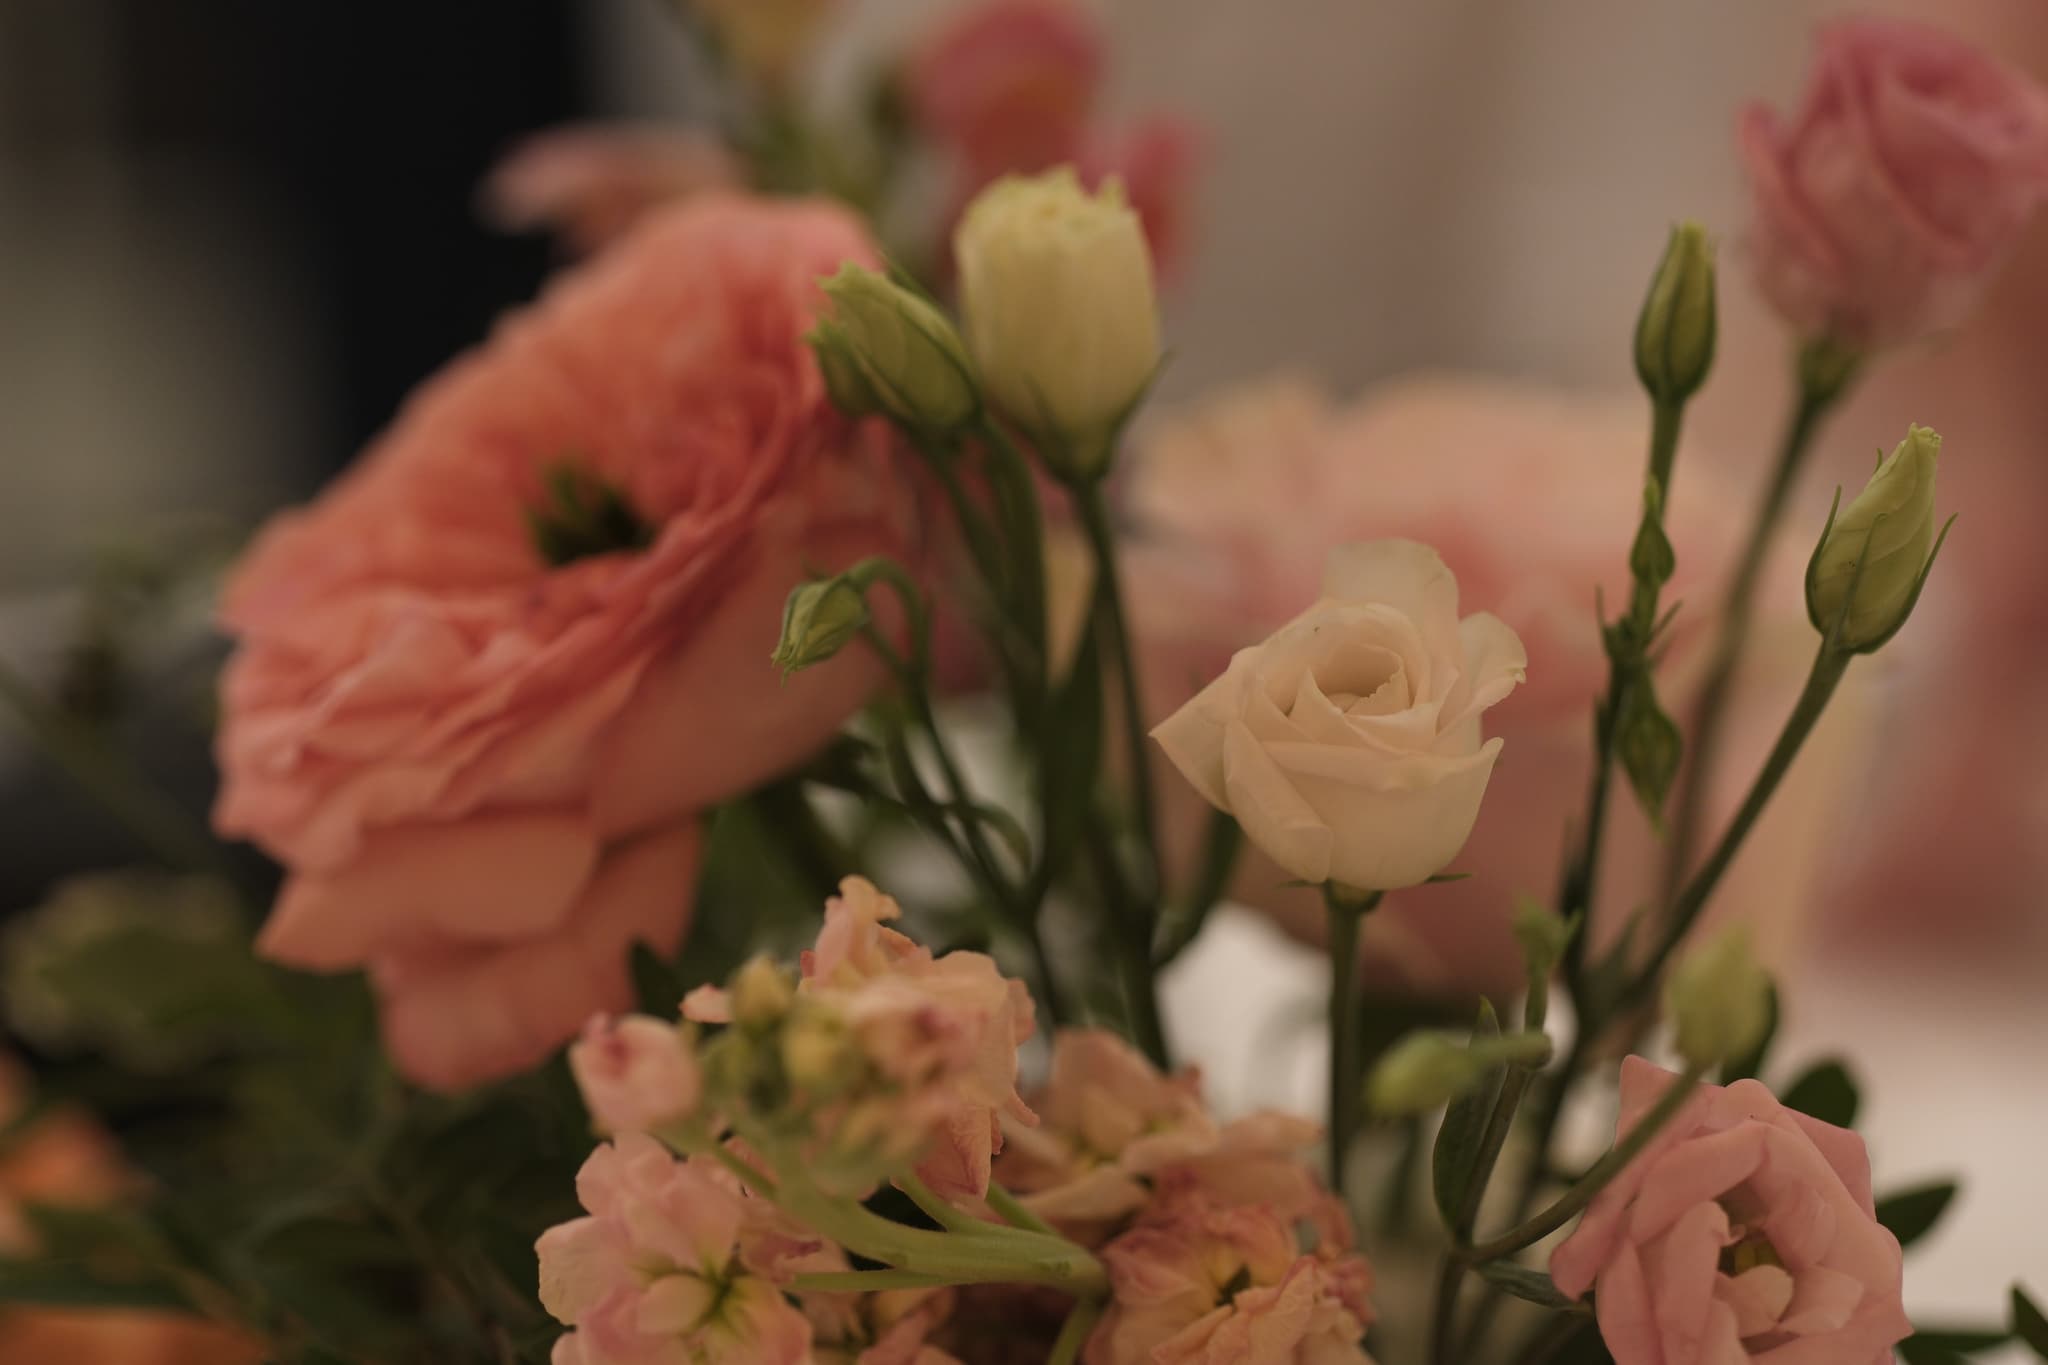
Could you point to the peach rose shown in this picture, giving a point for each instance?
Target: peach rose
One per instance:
(589, 183)
(1008, 85)
(486, 681)
(1883, 207)
(1534, 496)
(1744, 1231)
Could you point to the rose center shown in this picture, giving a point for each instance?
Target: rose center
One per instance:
(1752, 1250)
(1361, 673)
(581, 516)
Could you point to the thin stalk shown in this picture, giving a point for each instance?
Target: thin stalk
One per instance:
(1075, 1330)
(1737, 611)
(862, 1281)
(1012, 1211)
(1578, 1196)
(935, 1208)
(1345, 912)
(1133, 943)
(1110, 618)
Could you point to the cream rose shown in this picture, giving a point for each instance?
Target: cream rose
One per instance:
(1348, 744)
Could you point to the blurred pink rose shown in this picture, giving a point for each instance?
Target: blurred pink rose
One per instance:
(1157, 159)
(1532, 497)
(481, 767)
(1883, 207)
(589, 183)
(1008, 85)
(1744, 1231)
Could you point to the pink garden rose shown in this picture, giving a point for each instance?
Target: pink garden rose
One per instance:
(485, 683)
(1532, 497)
(665, 1270)
(1884, 205)
(1008, 85)
(589, 183)
(1744, 1231)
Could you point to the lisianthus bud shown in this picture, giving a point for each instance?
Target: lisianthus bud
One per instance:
(1718, 999)
(846, 381)
(637, 1074)
(1880, 544)
(1056, 289)
(817, 621)
(1428, 1068)
(762, 993)
(817, 1050)
(1675, 331)
(913, 360)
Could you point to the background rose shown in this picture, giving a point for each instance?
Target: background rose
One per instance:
(1883, 206)
(480, 769)
(590, 182)
(1736, 1169)
(1532, 498)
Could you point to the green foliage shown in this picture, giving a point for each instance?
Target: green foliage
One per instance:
(2028, 1322)
(1751, 1063)
(1910, 1214)
(1458, 1141)
(1524, 1283)
(1826, 1092)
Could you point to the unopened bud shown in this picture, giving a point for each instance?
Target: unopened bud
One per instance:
(846, 381)
(1427, 1069)
(637, 1074)
(762, 993)
(1675, 331)
(818, 620)
(1869, 566)
(911, 357)
(817, 1050)
(1718, 999)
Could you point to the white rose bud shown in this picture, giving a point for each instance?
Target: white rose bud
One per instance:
(914, 362)
(1056, 291)
(1348, 744)
(637, 1074)
(1889, 530)
(1719, 999)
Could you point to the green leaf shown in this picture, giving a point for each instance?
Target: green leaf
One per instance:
(1910, 1213)
(1525, 1283)
(1752, 1063)
(2028, 1324)
(1073, 752)
(1826, 1092)
(1648, 745)
(1946, 1344)
(656, 986)
(1583, 1347)
(1464, 1127)
(1919, 1350)
(70, 1284)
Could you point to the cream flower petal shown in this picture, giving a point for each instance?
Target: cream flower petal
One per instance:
(1274, 815)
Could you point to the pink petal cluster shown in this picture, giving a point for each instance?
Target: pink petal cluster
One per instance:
(1011, 87)
(482, 769)
(588, 183)
(1209, 1286)
(943, 1030)
(636, 1074)
(1744, 1231)
(1116, 1138)
(887, 1327)
(665, 1269)
(1886, 202)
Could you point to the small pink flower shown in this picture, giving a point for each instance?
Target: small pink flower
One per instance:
(1008, 85)
(1157, 159)
(481, 763)
(636, 1073)
(1207, 1286)
(1745, 1231)
(1883, 207)
(589, 183)
(659, 1273)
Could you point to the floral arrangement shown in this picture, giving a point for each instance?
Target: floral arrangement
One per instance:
(755, 560)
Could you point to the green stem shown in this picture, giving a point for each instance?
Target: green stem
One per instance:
(935, 1208)
(1016, 493)
(1828, 667)
(1345, 910)
(1075, 1330)
(1219, 856)
(1110, 617)
(1012, 1211)
(1578, 1196)
(1815, 400)
(862, 1281)
(1133, 944)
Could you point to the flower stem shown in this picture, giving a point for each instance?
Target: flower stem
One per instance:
(1817, 396)
(1578, 1196)
(1110, 619)
(935, 1208)
(1011, 1210)
(1346, 910)
(862, 1281)
(1075, 1330)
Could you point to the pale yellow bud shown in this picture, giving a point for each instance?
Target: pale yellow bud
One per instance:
(817, 1052)
(1718, 999)
(1888, 530)
(1057, 295)
(762, 993)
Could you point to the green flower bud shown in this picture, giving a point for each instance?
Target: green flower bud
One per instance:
(1718, 999)
(817, 621)
(846, 382)
(762, 993)
(913, 360)
(1880, 544)
(1675, 331)
(1426, 1069)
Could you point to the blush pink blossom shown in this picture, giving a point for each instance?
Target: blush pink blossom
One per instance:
(589, 183)
(1008, 85)
(1744, 1231)
(636, 1073)
(1884, 205)
(480, 763)
(1208, 1286)
(661, 1270)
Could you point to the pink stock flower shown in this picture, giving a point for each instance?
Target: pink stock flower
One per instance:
(887, 1327)
(942, 1031)
(1744, 1231)
(1116, 1136)
(486, 681)
(660, 1271)
(636, 1073)
(1207, 1286)
(1156, 159)
(1532, 497)
(589, 183)
(1884, 205)
(1008, 85)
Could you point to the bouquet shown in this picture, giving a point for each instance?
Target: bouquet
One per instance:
(810, 537)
